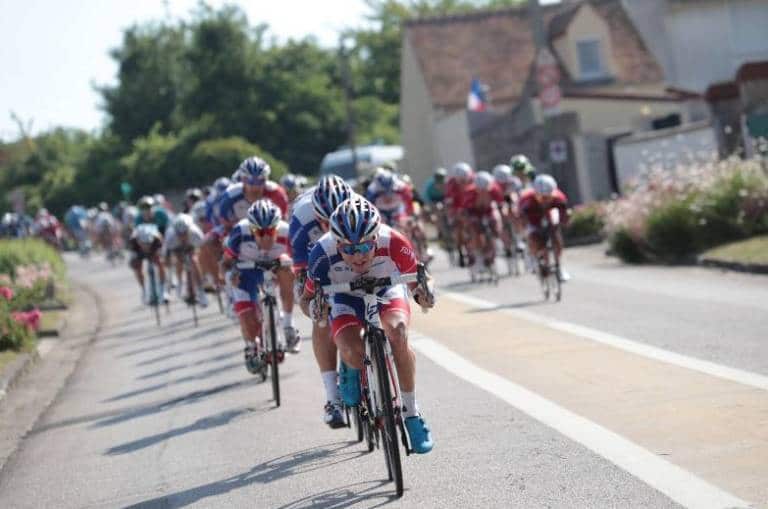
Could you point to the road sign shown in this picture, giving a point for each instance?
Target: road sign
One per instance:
(558, 151)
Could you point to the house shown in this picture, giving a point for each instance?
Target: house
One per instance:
(611, 84)
(701, 42)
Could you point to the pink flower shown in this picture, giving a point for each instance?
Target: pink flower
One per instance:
(6, 292)
(30, 319)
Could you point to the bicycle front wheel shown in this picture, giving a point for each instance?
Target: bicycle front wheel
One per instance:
(274, 357)
(387, 414)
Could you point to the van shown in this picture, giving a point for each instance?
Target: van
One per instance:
(368, 158)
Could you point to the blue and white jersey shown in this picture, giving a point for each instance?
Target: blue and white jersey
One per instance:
(394, 256)
(241, 244)
(304, 230)
(233, 206)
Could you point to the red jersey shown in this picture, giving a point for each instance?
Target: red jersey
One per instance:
(479, 202)
(533, 210)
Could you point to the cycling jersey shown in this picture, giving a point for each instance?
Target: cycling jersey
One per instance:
(479, 202)
(104, 222)
(434, 193)
(159, 217)
(533, 210)
(234, 205)
(394, 255)
(304, 231)
(393, 205)
(173, 242)
(241, 245)
(75, 218)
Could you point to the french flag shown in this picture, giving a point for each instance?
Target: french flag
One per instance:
(476, 100)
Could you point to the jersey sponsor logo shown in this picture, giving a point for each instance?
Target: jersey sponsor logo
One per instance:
(406, 251)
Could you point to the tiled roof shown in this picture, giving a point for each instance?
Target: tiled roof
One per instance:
(496, 46)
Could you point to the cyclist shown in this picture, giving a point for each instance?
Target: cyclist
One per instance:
(153, 213)
(262, 236)
(254, 184)
(47, 227)
(434, 189)
(480, 206)
(535, 204)
(191, 197)
(511, 186)
(183, 239)
(107, 230)
(359, 244)
(292, 185)
(308, 223)
(76, 221)
(460, 179)
(146, 243)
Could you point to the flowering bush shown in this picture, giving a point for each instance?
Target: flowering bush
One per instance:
(672, 215)
(586, 221)
(27, 268)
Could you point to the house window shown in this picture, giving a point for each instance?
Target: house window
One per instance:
(590, 63)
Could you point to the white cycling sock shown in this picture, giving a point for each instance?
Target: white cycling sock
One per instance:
(410, 408)
(331, 389)
(287, 320)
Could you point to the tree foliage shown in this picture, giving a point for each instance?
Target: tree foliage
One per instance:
(193, 98)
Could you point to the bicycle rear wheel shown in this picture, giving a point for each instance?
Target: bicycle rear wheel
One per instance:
(387, 414)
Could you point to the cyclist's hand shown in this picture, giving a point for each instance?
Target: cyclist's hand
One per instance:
(424, 298)
(234, 278)
(318, 312)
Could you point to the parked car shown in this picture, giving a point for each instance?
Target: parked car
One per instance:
(369, 157)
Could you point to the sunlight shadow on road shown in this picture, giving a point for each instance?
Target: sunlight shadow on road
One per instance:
(297, 463)
(513, 305)
(209, 360)
(198, 335)
(213, 421)
(112, 417)
(346, 496)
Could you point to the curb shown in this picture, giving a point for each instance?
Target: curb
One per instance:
(754, 268)
(582, 241)
(14, 370)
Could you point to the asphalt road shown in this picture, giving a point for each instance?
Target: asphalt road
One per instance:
(168, 417)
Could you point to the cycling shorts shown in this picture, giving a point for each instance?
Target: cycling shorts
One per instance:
(348, 310)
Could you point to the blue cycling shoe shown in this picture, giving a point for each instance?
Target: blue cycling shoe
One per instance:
(419, 434)
(349, 385)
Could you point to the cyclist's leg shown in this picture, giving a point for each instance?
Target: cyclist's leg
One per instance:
(135, 264)
(285, 282)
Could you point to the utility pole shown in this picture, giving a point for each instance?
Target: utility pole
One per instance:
(346, 80)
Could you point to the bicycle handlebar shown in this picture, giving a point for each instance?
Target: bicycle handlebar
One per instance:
(266, 266)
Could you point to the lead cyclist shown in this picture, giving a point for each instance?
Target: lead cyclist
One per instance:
(359, 244)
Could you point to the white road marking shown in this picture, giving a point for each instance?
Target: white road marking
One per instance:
(651, 352)
(671, 480)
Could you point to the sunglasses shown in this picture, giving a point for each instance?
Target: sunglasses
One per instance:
(362, 248)
(263, 232)
(256, 181)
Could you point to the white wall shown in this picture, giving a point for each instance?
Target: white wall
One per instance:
(665, 149)
(452, 141)
(705, 41)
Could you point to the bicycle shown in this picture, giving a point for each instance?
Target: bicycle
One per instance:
(154, 290)
(548, 267)
(380, 409)
(488, 254)
(274, 352)
(191, 298)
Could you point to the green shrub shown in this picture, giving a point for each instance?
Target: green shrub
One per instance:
(19, 252)
(213, 158)
(586, 221)
(625, 247)
(671, 233)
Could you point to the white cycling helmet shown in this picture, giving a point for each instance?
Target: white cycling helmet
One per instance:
(461, 170)
(544, 185)
(502, 173)
(181, 224)
(483, 180)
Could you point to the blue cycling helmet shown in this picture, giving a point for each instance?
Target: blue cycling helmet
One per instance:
(356, 220)
(385, 180)
(254, 168)
(329, 193)
(221, 184)
(264, 214)
(289, 182)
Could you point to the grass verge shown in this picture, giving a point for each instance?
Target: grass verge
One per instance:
(7, 356)
(750, 251)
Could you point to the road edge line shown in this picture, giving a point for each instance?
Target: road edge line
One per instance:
(731, 374)
(673, 481)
